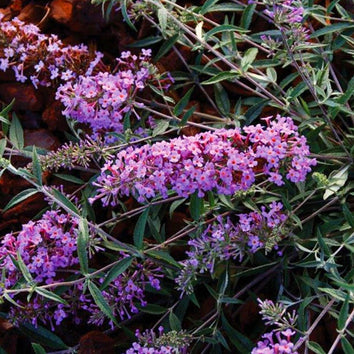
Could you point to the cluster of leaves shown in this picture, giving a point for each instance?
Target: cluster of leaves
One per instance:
(290, 69)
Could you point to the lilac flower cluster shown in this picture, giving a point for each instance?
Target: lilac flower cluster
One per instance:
(224, 161)
(46, 247)
(172, 342)
(286, 11)
(127, 290)
(121, 295)
(42, 59)
(288, 15)
(224, 240)
(104, 99)
(280, 345)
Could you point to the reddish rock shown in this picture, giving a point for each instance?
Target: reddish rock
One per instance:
(96, 342)
(53, 118)
(61, 10)
(26, 97)
(41, 138)
(33, 13)
(11, 185)
(26, 209)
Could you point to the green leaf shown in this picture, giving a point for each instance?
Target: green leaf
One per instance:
(337, 180)
(315, 347)
(181, 105)
(225, 75)
(38, 349)
(152, 309)
(82, 245)
(163, 256)
(223, 28)
(20, 197)
(161, 127)
(12, 301)
(187, 115)
(22, 267)
(146, 42)
(166, 46)
(117, 270)
(331, 28)
(124, 11)
(50, 295)
(175, 205)
(100, 301)
(36, 166)
(196, 206)
(343, 313)
(247, 15)
(16, 132)
(348, 214)
(242, 343)
(272, 74)
(139, 230)
(207, 5)
(254, 111)
(248, 58)
(5, 111)
(42, 336)
(221, 339)
(2, 147)
(347, 347)
(337, 294)
(62, 199)
(222, 99)
(297, 91)
(226, 201)
(230, 300)
(162, 16)
(69, 178)
(174, 322)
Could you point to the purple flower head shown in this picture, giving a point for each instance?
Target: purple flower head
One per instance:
(42, 58)
(224, 161)
(224, 240)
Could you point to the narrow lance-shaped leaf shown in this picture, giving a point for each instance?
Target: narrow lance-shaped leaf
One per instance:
(166, 46)
(50, 295)
(196, 206)
(248, 58)
(124, 11)
(347, 346)
(225, 75)
(101, 301)
(62, 200)
(82, 245)
(36, 166)
(38, 349)
(343, 314)
(2, 147)
(315, 347)
(162, 16)
(16, 133)
(174, 322)
(42, 336)
(207, 5)
(4, 113)
(22, 267)
(181, 105)
(139, 230)
(117, 270)
(20, 197)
